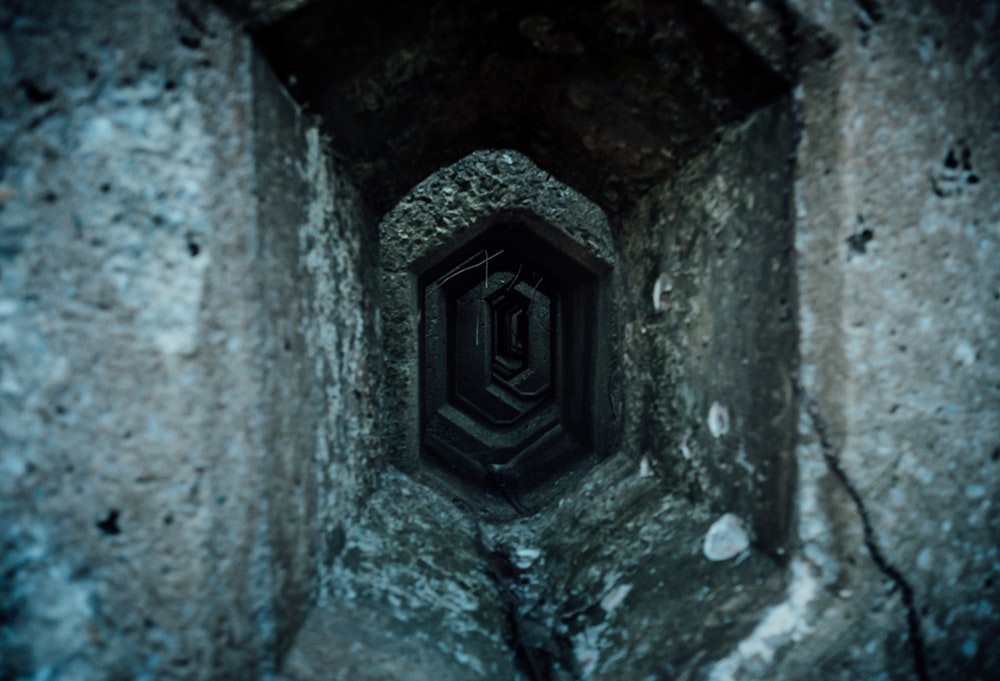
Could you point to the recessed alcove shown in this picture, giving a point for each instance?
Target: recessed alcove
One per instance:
(537, 172)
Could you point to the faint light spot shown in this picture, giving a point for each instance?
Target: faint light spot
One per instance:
(614, 598)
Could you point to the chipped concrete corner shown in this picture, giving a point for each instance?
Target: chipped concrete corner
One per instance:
(801, 227)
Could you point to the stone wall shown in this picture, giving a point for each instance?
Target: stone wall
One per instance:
(193, 480)
(897, 236)
(186, 404)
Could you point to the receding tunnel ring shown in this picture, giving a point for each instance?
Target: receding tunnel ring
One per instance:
(502, 337)
(497, 330)
(497, 315)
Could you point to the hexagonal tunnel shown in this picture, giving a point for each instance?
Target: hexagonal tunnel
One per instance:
(506, 398)
(535, 174)
(512, 347)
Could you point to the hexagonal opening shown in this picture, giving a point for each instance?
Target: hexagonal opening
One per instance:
(509, 315)
(682, 131)
(498, 405)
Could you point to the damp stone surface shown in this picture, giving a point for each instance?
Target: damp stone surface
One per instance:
(200, 473)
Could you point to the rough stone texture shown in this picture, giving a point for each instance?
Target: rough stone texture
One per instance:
(316, 274)
(898, 385)
(451, 208)
(717, 240)
(161, 511)
(179, 489)
(898, 245)
(413, 569)
(622, 576)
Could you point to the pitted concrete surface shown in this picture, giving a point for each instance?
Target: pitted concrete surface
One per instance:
(194, 479)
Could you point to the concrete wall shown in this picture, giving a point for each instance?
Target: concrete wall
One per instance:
(714, 247)
(185, 390)
(898, 272)
(188, 397)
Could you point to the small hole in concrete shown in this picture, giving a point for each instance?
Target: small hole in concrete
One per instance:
(35, 93)
(859, 240)
(109, 525)
(194, 249)
(966, 159)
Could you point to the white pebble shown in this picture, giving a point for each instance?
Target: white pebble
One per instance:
(524, 558)
(645, 469)
(726, 538)
(614, 598)
(718, 420)
(661, 293)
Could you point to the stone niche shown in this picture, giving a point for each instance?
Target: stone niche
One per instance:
(586, 321)
(496, 299)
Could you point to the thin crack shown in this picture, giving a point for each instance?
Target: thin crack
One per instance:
(916, 636)
(540, 651)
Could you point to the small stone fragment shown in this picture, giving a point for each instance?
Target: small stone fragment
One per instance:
(726, 538)
(524, 557)
(718, 420)
(661, 293)
(686, 444)
(645, 468)
(614, 598)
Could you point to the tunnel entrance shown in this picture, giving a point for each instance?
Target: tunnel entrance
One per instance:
(508, 291)
(504, 362)
(538, 173)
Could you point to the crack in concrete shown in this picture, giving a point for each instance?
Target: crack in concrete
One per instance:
(541, 651)
(915, 636)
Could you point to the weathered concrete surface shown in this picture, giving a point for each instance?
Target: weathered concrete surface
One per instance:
(710, 330)
(315, 275)
(611, 97)
(621, 580)
(179, 489)
(897, 244)
(413, 568)
(173, 356)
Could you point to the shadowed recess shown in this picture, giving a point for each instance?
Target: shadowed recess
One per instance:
(610, 97)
